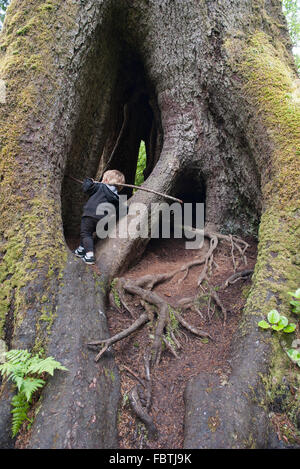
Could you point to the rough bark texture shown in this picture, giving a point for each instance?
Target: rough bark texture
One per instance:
(211, 87)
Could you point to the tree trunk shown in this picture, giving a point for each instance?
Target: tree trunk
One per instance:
(211, 88)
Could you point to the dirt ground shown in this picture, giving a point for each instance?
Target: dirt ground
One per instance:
(196, 354)
(169, 378)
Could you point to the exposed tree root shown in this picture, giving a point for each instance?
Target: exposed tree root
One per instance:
(236, 243)
(139, 405)
(163, 318)
(148, 381)
(158, 311)
(141, 413)
(238, 276)
(125, 333)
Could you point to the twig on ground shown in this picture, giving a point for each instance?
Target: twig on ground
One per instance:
(126, 368)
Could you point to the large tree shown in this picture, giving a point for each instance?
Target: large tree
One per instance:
(211, 88)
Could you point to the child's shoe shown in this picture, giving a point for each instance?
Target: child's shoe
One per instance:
(89, 258)
(80, 252)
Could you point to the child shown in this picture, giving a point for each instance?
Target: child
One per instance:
(99, 192)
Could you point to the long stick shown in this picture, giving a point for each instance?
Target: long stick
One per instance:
(125, 111)
(136, 187)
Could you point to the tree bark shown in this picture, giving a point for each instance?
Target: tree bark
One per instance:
(212, 86)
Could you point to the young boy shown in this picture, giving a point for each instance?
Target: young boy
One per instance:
(98, 192)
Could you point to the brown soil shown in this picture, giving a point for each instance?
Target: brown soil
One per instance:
(169, 378)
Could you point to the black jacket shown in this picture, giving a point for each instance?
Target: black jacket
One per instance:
(98, 193)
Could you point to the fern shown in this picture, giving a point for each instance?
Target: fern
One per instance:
(20, 408)
(24, 370)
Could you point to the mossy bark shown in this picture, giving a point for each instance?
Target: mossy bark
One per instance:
(221, 98)
(39, 46)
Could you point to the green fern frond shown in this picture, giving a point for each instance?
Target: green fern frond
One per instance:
(47, 365)
(22, 368)
(30, 385)
(17, 356)
(19, 411)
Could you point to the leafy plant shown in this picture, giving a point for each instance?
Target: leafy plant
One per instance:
(294, 355)
(141, 165)
(296, 302)
(277, 322)
(3, 6)
(291, 10)
(24, 370)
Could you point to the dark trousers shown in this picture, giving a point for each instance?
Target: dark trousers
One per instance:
(88, 227)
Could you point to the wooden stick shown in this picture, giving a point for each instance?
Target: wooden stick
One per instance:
(153, 192)
(125, 120)
(136, 187)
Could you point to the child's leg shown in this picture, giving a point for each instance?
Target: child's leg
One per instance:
(80, 251)
(88, 226)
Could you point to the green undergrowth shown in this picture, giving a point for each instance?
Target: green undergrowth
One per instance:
(26, 372)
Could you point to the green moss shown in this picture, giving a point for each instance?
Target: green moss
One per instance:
(271, 90)
(32, 248)
(115, 292)
(23, 31)
(109, 374)
(274, 91)
(48, 6)
(24, 258)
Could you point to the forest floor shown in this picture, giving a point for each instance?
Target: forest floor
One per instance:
(197, 354)
(171, 375)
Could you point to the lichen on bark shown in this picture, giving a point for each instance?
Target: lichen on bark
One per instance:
(32, 242)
